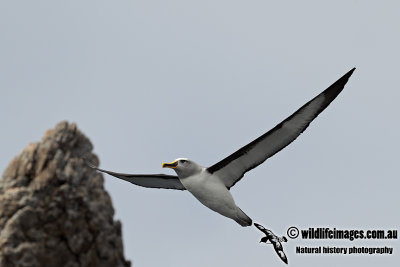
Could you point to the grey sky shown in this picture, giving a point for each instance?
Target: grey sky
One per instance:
(151, 81)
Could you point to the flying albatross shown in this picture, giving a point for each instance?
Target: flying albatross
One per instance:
(210, 185)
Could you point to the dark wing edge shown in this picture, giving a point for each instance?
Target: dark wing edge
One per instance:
(329, 95)
(282, 255)
(163, 181)
(260, 227)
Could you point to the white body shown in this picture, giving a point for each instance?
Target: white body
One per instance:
(212, 193)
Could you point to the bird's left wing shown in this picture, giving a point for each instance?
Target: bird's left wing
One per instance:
(147, 180)
(232, 168)
(282, 255)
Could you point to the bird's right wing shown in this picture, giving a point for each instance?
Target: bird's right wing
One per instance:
(147, 180)
(261, 228)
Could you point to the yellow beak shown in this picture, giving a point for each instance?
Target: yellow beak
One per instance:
(171, 165)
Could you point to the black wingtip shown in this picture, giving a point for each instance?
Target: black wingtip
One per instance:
(257, 225)
(334, 90)
(90, 164)
(350, 72)
(346, 77)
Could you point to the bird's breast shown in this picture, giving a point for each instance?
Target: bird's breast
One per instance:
(210, 191)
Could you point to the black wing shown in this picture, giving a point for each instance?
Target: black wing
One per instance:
(231, 169)
(147, 180)
(282, 255)
(261, 228)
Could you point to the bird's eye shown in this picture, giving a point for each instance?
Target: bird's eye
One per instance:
(183, 161)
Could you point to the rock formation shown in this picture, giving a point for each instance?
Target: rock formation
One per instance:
(54, 210)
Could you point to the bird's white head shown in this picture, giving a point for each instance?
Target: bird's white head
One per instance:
(183, 167)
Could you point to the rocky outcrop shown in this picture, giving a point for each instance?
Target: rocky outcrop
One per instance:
(54, 210)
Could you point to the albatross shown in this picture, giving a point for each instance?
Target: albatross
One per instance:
(211, 185)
